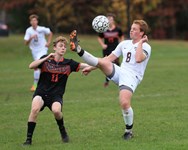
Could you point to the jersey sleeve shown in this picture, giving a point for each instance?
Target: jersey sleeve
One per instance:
(40, 66)
(147, 49)
(118, 51)
(120, 33)
(101, 35)
(46, 30)
(75, 66)
(27, 35)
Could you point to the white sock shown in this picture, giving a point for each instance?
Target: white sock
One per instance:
(128, 116)
(90, 59)
(36, 76)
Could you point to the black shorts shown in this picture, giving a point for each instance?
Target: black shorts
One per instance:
(49, 99)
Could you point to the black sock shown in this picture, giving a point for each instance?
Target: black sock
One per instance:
(129, 127)
(60, 123)
(30, 130)
(106, 79)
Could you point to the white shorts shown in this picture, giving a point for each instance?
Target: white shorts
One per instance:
(124, 79)
(38, 54)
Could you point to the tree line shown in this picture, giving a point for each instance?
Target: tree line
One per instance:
(167, 19)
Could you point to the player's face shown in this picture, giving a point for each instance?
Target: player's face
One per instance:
(34, 22)
(111, 20)
(60, 48)
(135, 32)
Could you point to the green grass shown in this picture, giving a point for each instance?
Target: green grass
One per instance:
(92, 113)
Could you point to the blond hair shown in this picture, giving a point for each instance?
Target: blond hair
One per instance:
(58, 39)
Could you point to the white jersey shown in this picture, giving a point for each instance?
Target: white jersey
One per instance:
(37, 44)
(129, 64)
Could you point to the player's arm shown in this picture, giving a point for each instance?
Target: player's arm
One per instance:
(36, 63)
(89, 68)
(29, 40)
(86, 69)
(101, 42)
(49, 39)
(140, 53)
(83, 65)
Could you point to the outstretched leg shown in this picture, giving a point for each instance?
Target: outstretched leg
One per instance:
(103, 64)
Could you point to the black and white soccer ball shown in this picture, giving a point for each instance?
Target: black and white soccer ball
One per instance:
(100, 24)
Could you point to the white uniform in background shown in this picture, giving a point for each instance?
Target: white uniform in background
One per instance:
(37, 45)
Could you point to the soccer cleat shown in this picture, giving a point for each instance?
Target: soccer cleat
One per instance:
(64, 135)
(27, 143)
(33, 88)
(65, 138)
(74, 41)
(128, 135)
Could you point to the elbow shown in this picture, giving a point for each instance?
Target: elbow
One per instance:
(30, 67)
(26, 42)
(139, 60)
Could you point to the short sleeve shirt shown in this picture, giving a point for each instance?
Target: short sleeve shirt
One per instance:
(38, 43)
(111, 38)
(54, 75)
(128, 50)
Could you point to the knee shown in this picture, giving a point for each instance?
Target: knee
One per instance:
(124, 104)
(56, 113)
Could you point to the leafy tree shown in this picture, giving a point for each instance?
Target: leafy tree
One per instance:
(166, 18)
(54, 13)
(15, 12)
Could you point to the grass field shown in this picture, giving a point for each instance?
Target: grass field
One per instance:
(91, 112)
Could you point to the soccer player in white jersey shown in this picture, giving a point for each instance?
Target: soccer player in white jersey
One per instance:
(136, 53)
(35, 37)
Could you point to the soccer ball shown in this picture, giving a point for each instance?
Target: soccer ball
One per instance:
(100, 24)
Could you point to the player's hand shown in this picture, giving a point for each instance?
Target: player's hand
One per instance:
(51, 56)
(144, 39)
(34, 36)
(47, 45)
(104, 46)
(86, 70)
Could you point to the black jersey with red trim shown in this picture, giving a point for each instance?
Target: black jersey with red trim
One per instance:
(54, 75)
(111, 38)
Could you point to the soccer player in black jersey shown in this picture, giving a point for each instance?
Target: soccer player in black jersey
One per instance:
(110, 39)
(55, 70)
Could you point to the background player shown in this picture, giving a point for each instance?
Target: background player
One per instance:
(136, 53)
(35, 36)
(55, 70)
(110, 39)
